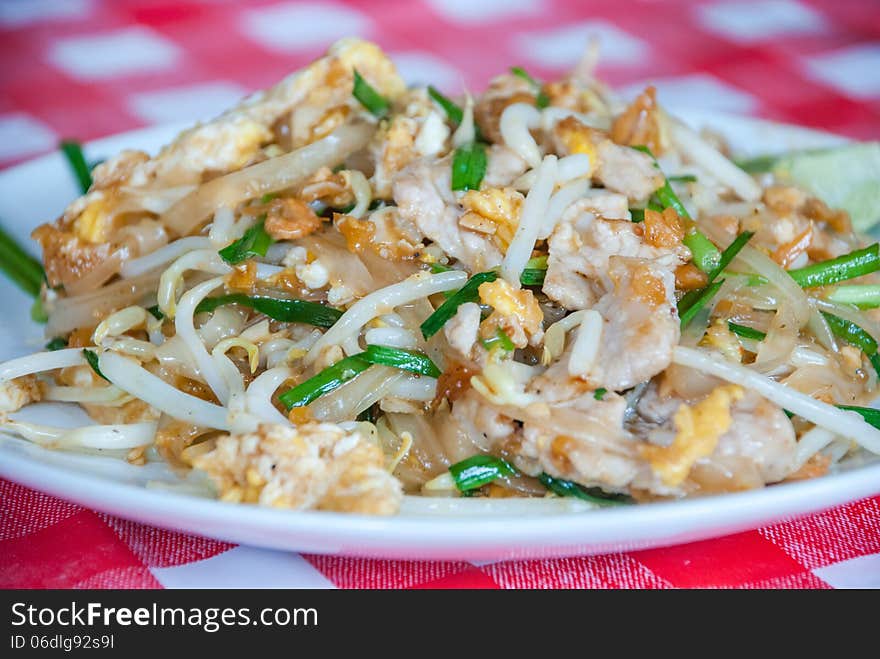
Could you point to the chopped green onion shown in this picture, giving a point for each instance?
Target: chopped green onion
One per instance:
(38, 313)
(23, 269)
(254, 242)
(437, 268)
(156, 313)
(467, 293)
(537, 262)
(269, 196)
(479, 470)
(637, 214)
(452, 109)
(757, 165)
(851, 333)
(682, 178)
(324, 382)
(469, 166)
(705, 295)
(855, 264)
(287, 311)
(746, 332)
(405, 360)
(74, 154)
(92, 359)
(869, 414)
(692, 298)
(599, 394)
(564, 488)
(501, 340)
(57, 343)
(541, 100)
(533, 276)
(369, 97)
(706, 256)
(864, 297)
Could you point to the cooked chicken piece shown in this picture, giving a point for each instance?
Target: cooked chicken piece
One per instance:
(641, 325)
(419, 130)
(503, 166)
(461, 329)
(15, 394)
(619, 168)
(424, 196)
(580, 247)
(315, 466)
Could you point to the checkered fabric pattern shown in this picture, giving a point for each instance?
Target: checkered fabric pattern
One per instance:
(89, 68)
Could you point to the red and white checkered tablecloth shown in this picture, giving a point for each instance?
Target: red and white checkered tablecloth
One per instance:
(89, 68)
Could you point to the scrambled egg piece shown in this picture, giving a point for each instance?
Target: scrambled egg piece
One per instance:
(316, 466)
(492, 211)
(517, 312)
(698, 429)
(15, 394)
(577, 137)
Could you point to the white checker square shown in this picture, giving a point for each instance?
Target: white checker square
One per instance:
(128, 51)
(564, 47)
(18, 13)
(696, 90)
(854, 70)
(861, 572)
(419, 68)
(296, 26)
(190, 103)
(244, 567)
(471, 12)
(757, 20)
(22, 135)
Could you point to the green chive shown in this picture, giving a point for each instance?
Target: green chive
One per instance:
(705, 295)
(683, 178)
(38, 313)
(452, 109)
(479, 470)
(324, 382)
(500, 340)
(702, 296)
(851, 333)
(437, 268)
(74, 154)
(405, 360)
(92, 359)
(564, 488)
(369, 97)
(57, 343)
(469, 166)
(599, 394)
(863, 297)
(537, 262)
(869, 414)
(541, 99)
(287, 311)
(706, 256)
(757, 165)
(467, 293)
(23, 269)
(533, 277)
(156, 313)
(746, 332)
(254, 242)
(637, 214)
(855, 264)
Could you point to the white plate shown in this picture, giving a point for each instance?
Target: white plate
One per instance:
(39, 190)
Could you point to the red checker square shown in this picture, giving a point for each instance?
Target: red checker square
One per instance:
(723, 562)
(470, 577)
(64, 554)
(369, 573)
